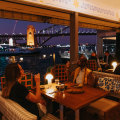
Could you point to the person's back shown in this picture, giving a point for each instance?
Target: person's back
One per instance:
(94, 57)
(18, 94)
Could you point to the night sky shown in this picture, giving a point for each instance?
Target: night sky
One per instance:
(9, 26)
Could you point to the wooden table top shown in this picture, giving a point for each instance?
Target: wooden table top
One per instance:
(75, 101)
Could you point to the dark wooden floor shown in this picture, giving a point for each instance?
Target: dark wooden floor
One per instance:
(84, 115)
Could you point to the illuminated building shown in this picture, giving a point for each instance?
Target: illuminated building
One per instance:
(11, 42)
(30, 35)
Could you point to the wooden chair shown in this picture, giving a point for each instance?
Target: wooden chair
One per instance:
(92, 65)
(26, 80)
(2, 79)
(59, 72)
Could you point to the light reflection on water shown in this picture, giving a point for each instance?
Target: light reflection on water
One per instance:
(3, 63)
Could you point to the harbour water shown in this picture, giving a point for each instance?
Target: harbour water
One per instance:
(34, 63)
(40, 61)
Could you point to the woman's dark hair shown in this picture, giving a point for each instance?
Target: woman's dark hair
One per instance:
(12, 72)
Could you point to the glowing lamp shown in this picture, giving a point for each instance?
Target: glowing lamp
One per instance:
(114, 64)
(21, 59)
(49, 78)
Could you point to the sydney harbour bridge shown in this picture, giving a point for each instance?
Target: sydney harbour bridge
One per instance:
(44, 35)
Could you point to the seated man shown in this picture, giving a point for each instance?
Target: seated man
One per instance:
(83, 75)
(108, 59)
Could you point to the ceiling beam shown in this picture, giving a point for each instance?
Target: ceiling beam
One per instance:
(21, 8)
(12, 10)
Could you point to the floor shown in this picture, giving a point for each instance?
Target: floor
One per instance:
(84, 115)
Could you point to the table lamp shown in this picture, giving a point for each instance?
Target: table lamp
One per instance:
(114, 64)
(49, 78)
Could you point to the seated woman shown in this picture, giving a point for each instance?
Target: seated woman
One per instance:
(19, 93)
(83, 75)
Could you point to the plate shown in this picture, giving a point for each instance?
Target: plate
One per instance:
(42, 87)
(77, 86)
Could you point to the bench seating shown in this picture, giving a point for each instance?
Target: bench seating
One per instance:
(10, 110)
(116, 78)
(106, 109)
(103, 74)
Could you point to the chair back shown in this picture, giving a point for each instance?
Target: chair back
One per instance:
(59, 72)
(26, 80)
(2, 79)
(92, 65)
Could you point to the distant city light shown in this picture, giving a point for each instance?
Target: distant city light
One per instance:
(50, 54)
(44, 56)
(59, 45)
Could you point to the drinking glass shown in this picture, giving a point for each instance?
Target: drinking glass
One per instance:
(56, 81)
(62, 87)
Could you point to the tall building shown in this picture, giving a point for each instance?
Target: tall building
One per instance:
(30, 35)
(11, 42)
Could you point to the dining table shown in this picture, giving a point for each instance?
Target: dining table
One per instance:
(74, 97)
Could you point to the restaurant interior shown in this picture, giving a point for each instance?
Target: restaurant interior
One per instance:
(97, 99)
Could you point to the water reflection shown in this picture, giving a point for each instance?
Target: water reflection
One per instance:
(3, 62)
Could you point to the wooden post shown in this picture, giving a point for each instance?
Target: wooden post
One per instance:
(117, 53)
(61, 112)
(99, 46)
(77, 115)
(73, 37)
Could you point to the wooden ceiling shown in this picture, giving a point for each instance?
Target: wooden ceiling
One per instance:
(11, 9)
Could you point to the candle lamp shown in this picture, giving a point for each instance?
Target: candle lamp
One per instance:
(49, 78)
(114, 64)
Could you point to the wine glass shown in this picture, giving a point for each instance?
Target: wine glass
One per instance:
(62, 87)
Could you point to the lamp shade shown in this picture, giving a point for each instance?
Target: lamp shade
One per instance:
(114, 64)
(49, 78)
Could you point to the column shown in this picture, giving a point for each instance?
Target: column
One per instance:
(73, 37)
(99, 46)
(117, 53)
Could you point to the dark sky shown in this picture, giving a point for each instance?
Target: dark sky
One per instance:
(9, 26)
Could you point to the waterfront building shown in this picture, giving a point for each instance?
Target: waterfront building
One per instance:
(30, 35)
